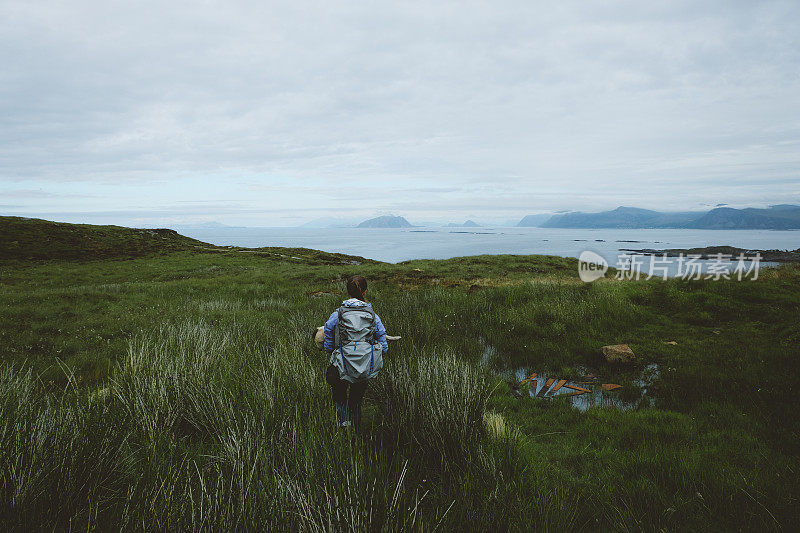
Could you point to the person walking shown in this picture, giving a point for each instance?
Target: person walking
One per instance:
(355, 338)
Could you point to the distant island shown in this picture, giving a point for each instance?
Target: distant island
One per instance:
(386, 221)
(467, 224)
(729, 253)
(778, 217)
(533, 221)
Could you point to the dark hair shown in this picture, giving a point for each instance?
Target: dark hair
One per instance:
(356, 285)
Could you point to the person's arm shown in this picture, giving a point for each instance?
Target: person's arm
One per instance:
(330, 328)
(380, 334)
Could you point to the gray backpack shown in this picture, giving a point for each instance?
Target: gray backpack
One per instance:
(357, 355)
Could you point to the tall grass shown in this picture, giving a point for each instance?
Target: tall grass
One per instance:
(201, 429)
(204, 428)
(435, 404)
(60, 456)
(206, 405)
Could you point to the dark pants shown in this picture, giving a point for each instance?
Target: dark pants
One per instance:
(339, 388)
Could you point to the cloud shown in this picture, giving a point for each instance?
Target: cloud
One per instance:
(469, 106)
(38, 194)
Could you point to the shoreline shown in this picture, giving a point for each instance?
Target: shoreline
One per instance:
(730, 253)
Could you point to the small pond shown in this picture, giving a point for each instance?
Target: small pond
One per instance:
(632, 393)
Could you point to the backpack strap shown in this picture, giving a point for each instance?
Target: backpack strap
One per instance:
(337, 336)
(371, 335)
(371, 339)
(339, 340)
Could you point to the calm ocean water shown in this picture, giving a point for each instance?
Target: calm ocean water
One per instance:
(395, 245)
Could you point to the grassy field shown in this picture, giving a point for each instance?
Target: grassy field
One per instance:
(148, 387)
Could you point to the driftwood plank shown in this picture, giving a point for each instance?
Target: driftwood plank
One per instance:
(546, 386)
(578, 393)
(575, 387)
(560, 384)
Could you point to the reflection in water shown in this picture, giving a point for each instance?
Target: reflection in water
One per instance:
(632, 395)
(488, 353)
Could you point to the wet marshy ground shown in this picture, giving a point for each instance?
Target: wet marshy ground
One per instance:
(583, 387)
(590, 390)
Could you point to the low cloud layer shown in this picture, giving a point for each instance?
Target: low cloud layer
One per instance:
(275, 113)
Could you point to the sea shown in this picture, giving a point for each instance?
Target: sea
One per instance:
(397, 245)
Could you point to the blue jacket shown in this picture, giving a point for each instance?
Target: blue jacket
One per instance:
(330, 327)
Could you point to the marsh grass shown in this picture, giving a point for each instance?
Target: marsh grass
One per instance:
(435, 404)
(200, 430)
(182, 392)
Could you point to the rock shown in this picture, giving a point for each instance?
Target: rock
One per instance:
(619, 353)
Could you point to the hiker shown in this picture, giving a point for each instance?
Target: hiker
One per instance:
(356, 339)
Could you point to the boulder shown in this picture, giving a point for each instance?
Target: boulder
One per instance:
(619, 353)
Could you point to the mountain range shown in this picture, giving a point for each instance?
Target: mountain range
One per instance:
(776, 217)
(779, 217)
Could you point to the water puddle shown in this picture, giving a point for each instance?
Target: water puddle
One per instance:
(589, 390)
(624, 390)
(489, 352)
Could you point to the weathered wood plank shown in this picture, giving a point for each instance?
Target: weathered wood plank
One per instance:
(560, 384)
(575, 387)
(546, 386)
(577, 393)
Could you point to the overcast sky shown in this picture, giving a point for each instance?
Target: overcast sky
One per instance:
(263, 113)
